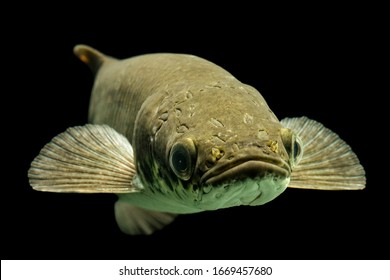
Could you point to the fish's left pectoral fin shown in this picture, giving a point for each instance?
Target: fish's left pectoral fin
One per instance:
(328, 163)
(85, 159)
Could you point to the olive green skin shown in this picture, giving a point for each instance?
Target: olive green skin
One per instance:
(157, 100)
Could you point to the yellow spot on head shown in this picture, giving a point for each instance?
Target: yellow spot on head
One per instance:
(273, 146)
(217, 153)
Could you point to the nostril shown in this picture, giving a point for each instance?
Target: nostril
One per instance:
(217, 153)
(273, 146)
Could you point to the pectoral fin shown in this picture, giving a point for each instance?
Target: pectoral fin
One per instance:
(328, 163)
(85, 159)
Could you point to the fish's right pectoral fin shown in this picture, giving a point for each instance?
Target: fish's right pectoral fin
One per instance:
(328, 163)
(137, 221)
(85, 159)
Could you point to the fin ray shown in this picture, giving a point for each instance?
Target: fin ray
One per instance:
(136, 221)
(328, 163)
(86, 159)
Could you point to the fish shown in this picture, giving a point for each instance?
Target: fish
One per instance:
(174, 134)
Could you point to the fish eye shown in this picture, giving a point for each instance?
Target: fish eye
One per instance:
(182, 157)
(297, 149)
(293, 146)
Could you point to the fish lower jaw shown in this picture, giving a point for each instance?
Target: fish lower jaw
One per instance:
(249, 191)
(236, 192)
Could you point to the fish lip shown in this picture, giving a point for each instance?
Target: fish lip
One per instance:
(250, 167)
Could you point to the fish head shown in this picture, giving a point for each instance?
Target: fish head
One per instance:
(215, 149)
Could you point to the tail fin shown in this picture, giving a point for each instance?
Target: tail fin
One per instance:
(93, 58)
(328, 163)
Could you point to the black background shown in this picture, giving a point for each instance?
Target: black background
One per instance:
(317, 67)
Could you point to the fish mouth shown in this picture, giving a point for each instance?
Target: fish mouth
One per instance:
(246, 168)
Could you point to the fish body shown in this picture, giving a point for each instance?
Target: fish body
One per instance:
(175, 133)
(170, 106)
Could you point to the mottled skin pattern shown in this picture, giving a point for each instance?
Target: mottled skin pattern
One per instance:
(156, 100)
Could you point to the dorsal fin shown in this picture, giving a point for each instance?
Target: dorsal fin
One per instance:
(90, 56)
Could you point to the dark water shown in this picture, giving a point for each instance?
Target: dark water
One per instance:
(320, 75)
